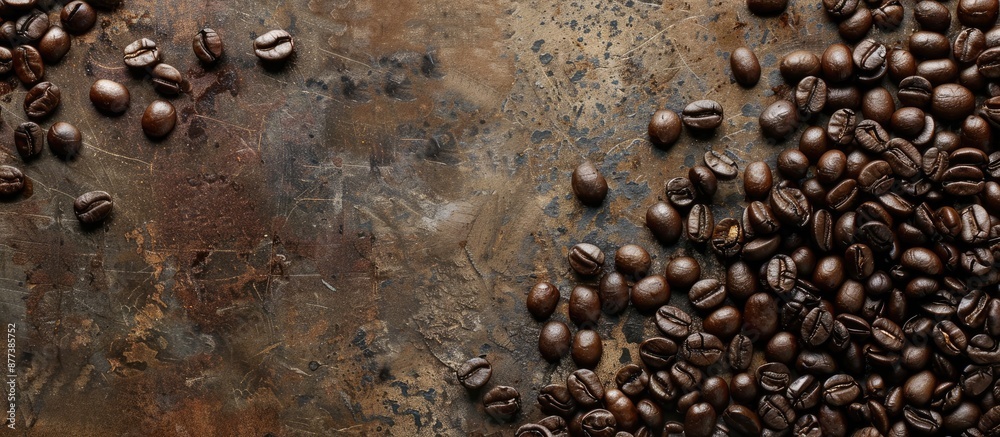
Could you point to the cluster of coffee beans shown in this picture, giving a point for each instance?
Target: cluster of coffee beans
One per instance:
(859, 292)
(33, 40)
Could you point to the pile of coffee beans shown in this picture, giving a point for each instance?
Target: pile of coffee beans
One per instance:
(29, 41)
(859, 288)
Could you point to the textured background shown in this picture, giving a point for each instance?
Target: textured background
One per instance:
(379, 207)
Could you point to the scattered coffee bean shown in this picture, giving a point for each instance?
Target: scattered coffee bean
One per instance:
(65, 140)
(29, 138)
(664, 128)
(93, 207)
(207, 46)
(168, 81)
(11, 181)
(159, 119)
(502, 402)
(474, 373)
(142, 54)
(78, 17)
(42, 100)
(274, 46)
(745, 66)
(109, 96)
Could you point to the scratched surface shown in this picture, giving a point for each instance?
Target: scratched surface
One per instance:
(314, 249)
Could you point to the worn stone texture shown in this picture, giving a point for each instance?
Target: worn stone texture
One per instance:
(380, 206)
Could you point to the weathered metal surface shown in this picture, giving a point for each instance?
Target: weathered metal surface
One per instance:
(379, 207)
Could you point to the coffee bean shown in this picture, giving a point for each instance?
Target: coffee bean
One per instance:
(614, 293)
(665, 222)
(836, 63)
(168, 81)
(952, 102)
(28, 65)
(988, 63)
(274, 46)
(804, 392)
(790, 206)
(704, 180)
(773, 377)
(554, 341)
(532, 430)
(585, 388)
(682, 272)
(962, 180)
(649, 293)
(78, 17)
(932, 16)
(31, 26)
(792, 164)
(584, 306)
(841, 127)
(207, 46)
(587, 349)
(798, 64)
(877, 105)
(109, 96)
(28, 139)
(740, 352)
(502, 402)
(673, 321)
(42, 100)
(842, 97)
(915, 91)
(586, 259)
(817, 326)
(776, 412)
(840, 390)
(783, 347)
(699, 421)
(631, 380)
(779, 120)
(876, 178)
(921, 421)
(889, 16)
(700, 223)
(741, 280)
(702, 115)
(743, 388)
(658, 352)
(142, 54)
(720, 163)
(701, 349)
(949, 338)
(981, 14)
(973, 309)
(64, 141)
(840, 8)
(474, 373)
(707, 294)
(745, 67)
(93, 207)
(727, 238)
(54, 45)
(589, 185)
(810, 95)
(938, 71)
(969, 43)
(760, 315)
(681, 192)
(761, 218)
(929, 45)
(159, 119)
(965, 416)
(651, 414)
(11, 181)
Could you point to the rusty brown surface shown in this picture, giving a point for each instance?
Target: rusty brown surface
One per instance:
(379, 206)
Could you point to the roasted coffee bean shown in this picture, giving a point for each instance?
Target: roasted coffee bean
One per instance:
(707, 294)
(889, 16)
(168, 81)
(29, 140)
(673, 321)
(11, 181)
(779, 274)
(93, 207)
(682, 272)
(586, 259)
(724, 322)
(969, 43)
(665, 222)
(962, 180)
(841, 127)
(887, 334)
(54, 45)
(745, 67)
(742, 420)
(964, 417)
(631, 380)
(790, 206)
(28, 64)
(743, 388)
(975, 379)
(650, 293)
(474, 373)
(31, 26)
(64, 141)
(720, 163)
(702, 115)
(876, 178)
(542, 300)
(587, 182)
(762, 219)
(921, 421)
(991, 110)
(142, 54)
(817, 326)
(554, 341)
(949, 338)
(614, 292)
(783, 347)
(840, 390)
(915, 91)
(727, 239)
(907, 122)
(159, 119)
(704, 180)
(810, 95)
(532, 430)
(622, 409)
(41, 100)
(702, 349)
(584, 306)
(932, 16)
(840, 8)
(658, 352)
(700, 223)
(871, 136)
(878, 105)
(687, 376)
(870, 60)
(952, 102)
(681, 192)
(776, 412)
(773, 377)
(901, 64)
(798, 64)
(6, 60)
(792, 164)
(274, 46)
(837, 63)
(651, 414)
(842, 97)
(779, 120)
(980, 14)
(929, 45)
(760, 315)
(699, 421)
(78, 17)
(109, 96)
(207, 46)
(904, 159)
(814, 143)
(804, 392)
(502, 403)
(973, 309)
(664, 127)
(740, 352)
(938, 71)
(988, 63)
(587, 349)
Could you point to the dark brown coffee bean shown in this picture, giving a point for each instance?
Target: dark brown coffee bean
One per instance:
(810, 95)
(720, 163)
(681, 192)
(907, 122)
(207, 46)
(586, 259)
(28, 65)
(876, 178)
(682, 272)
(584, 306)
(93, 207)
(11, 181)
(699, 421)
(840, 390)
(745, 67)
(701, 349)
(973, 309)
(932, 16)
(841, 127)
(614, 293)
(587, 349)
(542, 300)
(783, 347)
(29, 140)
(952, 102)
(30, 27)
(664, 128)
(922, 422)
(78, 17)
(776, 412)
(854, 27)
(840, 8)
(587, 182)
(773, 377)
(109, 96)
(915, 91)
(631, 380)
(804, 392)
(554, 341)
(962, 180)
(980, 14)
(901, 64)
(988, 63)
(743, 388)
(929, 45)
(742, 420)
(757, 180)
(54, 45)
(650, 293)
(274, 46)
(64, 140)
(878, 105)
(817, 326)
(142, 54)
(798, 64)
(673, 321)
(760, 315)
(658, 352)
(779, 120)
(727, 238)
(532, 430)
(168, 81)
(41, 100)
(704, 180)
(474, 373)
(665, 222)
(724, 322)
(871, 136)
(969, 43)
(837, 63)
(702, 115)
(622, 409)
(949, 338)
(938, 71)
(700, 223)
(707, 294)
(159, 119)
(740, 352)
(502, 403)
(790, 206)
(842, 97)
(889, 15)
(686, 376)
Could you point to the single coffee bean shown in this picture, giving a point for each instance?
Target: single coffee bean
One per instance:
(919, 388)
(792, 164)
(745, 67)
(6, 60)
(64, 140)
(762, 220)
(810, 95)
(658, 352)
(952, 102)
(949, 338)
(727, 238)
(585, 388)
(587, 349)
(840, 390)
(760, 315)
(702, 115)
(969, 43)
(588, 184)
(78, 17)
(901, 64)
(168, 81)
(207, 46)
(274, 46)
(776, 412)
(773, 377)
(741, 280)
(159, 119)
(929, 45)
(665, 222)
(904, 159)
(962, 180)
(584, 306)
(876, 177)
(704, 180)
(542, 300)
(988, 63)
(980, 14)
(841, 127)
(699, 421)
(932, 16)
(28, 64)
(921, 421)
(707, 294)
(702, 349)
(632, 260)
(41, 100)
(743, 388)
(779, 120)
(938, 71)
(889, 16)
(740, 352)
(840, 8)
(142, 54)
(29, 140)
(817, 326)
(662, 387)
(877, 105)
(798, 64)
(915, 91)
(673, 321)
(31, 26)
(474, 373)
(720, 163)
(554, 341)
(11, 181)
(664, 127)
(109, 96)
(650, 293)
(790, 206)
(93, 207)
(682, 272)
(502, 402)
(836, 63)
(622, 409)
(54, 45)
(586, 259)
(700, 223)
(614, 293)
(871, 136)
(804, 392)
(631, 380)
(681, 192)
